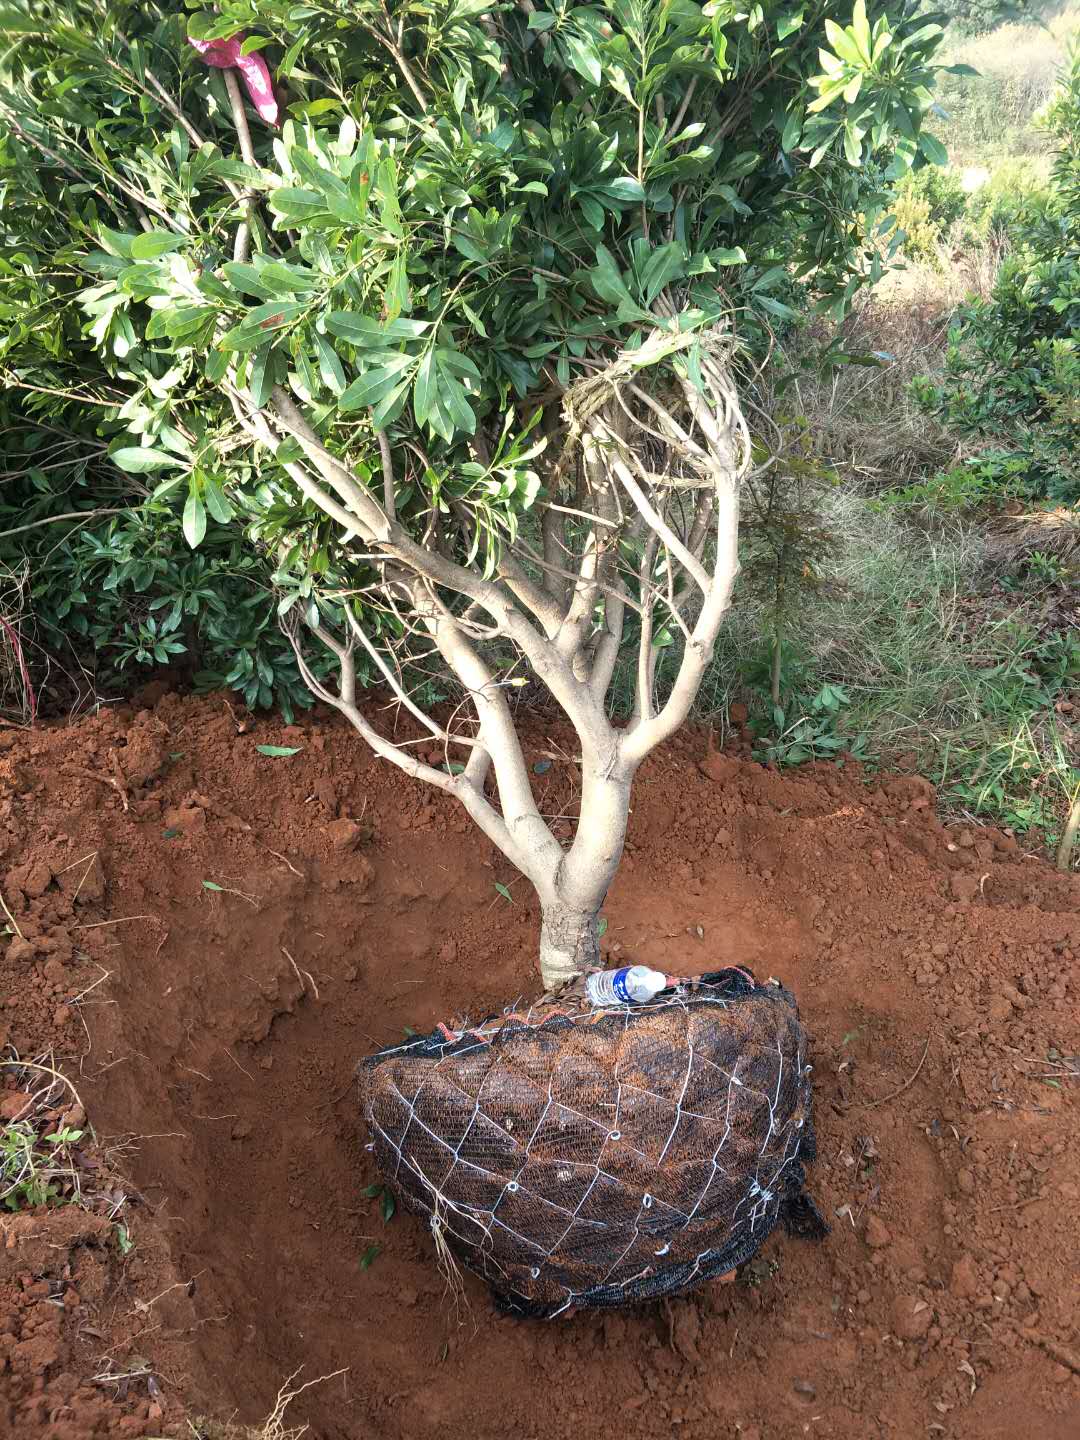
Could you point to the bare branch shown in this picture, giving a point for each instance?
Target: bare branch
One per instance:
(729, 441)
(242, 240)
(389, 500)
(462, 787)
(646, 668)
(652, 518)
(398, 688)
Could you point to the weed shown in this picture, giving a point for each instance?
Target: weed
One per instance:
(988, 480)
(808, 725)
(1038, 570)
(37, 1169)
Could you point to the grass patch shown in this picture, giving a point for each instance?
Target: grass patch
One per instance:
(926, 648)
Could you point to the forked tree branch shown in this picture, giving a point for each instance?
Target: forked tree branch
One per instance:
(561, 607)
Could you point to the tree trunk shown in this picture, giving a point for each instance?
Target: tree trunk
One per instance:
(569, 943)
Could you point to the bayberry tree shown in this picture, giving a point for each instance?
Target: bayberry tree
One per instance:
(454, 319)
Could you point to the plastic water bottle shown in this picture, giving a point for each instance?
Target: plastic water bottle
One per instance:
(633, 985)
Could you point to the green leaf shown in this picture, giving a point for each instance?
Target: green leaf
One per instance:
(156, 242)
(362, 330)
(842, 43)
(933, 149)
(216, 502)
(736, 255)
(262, 322)
(541, 20)
(386, 410)
(293, 204)
(792, 130)
(217, 363)
(424, 388)
(210, 885)
(333, 376)
(860, 30)
(624, 187)
(606, 279)
(261, 376)
(503, 891)
(369, 1256)
(583, 58)
(374, 384)
(194, 519)
(140, 459)
(279, 751)
(787, 24)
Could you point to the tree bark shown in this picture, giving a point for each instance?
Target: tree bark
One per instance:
(569, 943)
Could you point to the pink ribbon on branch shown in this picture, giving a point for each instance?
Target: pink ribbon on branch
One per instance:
(225, 55)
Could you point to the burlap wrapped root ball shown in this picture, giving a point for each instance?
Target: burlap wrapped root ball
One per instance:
(595, 1158)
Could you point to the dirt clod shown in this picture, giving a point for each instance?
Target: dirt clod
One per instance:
(877, 1233)
(964, 1281)
(911, 1317)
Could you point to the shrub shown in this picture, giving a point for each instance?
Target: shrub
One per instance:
(1012, 374)
(1015, 194)
(928, 203)
(116, 587)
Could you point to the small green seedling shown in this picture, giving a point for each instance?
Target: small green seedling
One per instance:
(389, 1204)
(29, 1167)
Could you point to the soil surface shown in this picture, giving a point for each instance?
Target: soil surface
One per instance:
(253, 924)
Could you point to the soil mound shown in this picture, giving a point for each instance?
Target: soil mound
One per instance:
(253, 924)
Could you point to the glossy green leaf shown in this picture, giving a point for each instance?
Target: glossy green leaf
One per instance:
(194, 519)
(153, 243)
(140, 459)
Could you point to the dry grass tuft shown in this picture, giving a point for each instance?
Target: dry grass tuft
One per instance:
(1053, 532)
(865, 419)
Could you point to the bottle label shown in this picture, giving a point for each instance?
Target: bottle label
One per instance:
(618, 984)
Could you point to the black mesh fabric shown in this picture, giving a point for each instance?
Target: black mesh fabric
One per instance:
(597, 1158)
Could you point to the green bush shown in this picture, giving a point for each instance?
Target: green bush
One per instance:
(928, 203)
(457, 216)
(113, 593)
(1012, 374)
(986, 481)
(1016, 192)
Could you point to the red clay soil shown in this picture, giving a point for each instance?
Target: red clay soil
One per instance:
(936, 970)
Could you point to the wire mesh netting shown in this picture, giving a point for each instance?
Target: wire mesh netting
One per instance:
(599, 1158)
